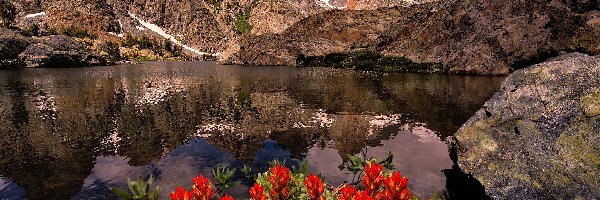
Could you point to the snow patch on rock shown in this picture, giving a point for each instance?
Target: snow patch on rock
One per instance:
(164, 34)
(327, 4)
(35, 15)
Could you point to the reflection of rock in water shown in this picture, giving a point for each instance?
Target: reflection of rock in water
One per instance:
(55, 122)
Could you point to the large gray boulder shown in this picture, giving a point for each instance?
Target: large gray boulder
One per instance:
(539, 136)
(59, 51)
(11, 44)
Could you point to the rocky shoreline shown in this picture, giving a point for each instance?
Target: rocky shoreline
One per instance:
(537, 138)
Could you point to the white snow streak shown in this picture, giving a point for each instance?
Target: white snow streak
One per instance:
(164, 34)
(326, 4)
(35, 15)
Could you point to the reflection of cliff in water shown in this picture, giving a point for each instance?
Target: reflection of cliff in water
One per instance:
(56, 121)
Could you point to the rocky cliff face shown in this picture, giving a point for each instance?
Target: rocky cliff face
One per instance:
(207, 26)
(537, 138)
(472, 36)
(478, 36)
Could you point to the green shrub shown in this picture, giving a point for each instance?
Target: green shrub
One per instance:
(8, 12)
(112, 51)
(31, 31)
(369, 61)
(242, 25)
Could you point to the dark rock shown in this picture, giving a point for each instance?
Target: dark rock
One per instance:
(59, 51)
(11, 44)
(541, 138)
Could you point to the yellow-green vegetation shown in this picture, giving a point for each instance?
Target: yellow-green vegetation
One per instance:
(34, 30)
(576, 152)
(242, 25)
(7, 13)
(72, 31)
(111, 51)
(215, 3)
(591, 104)
(586, 41)
(147, 49)
(367, 60)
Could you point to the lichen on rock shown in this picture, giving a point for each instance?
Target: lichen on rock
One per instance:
(545, 127)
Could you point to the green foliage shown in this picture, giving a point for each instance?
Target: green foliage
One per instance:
(140, 189)
(31, 31)
(242, 24)
(72, 31)
(368, 61)
(8, 12)
(361, 60)
(223, 178)
(112, 51)
(247, 171)
(152, 44)
(356, 164)
(215, 3)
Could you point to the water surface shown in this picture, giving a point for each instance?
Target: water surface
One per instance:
(73, 133)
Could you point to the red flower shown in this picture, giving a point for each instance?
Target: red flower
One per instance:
(202, 189)
(395, 188)
(315, 187)
(362, 195)
(181, 194)
(347, 193)
(279, 178)
(258, 192)
(226, 197)
(373, 177)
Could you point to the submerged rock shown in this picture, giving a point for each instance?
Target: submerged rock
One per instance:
(59, 51)
(538, 137)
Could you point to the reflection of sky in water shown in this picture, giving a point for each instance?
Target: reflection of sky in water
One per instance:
(92, 128)
(418, 154)
(10, 190)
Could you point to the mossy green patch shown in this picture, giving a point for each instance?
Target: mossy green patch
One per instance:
(367, 60)
(591, 104)
(579, 152)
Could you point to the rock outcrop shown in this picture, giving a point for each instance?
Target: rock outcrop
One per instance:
(539, 136)
(490, 37)
(17, 51)
(209, 26)
(477, 36)
(11, 44)
(58, 51)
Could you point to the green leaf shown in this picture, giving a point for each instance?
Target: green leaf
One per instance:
(140, 186)
(156, 193)
(122, 194)
(304, 167)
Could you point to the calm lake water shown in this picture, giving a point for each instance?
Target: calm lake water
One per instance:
(73, 133)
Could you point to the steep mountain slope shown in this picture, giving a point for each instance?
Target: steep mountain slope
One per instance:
(206, 26)
(477, 36)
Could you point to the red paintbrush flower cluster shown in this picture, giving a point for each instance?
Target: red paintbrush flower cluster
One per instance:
(279, 178)
(395, 188)
(201, 190)
(377, 185)
(258, 192)
(372, 177)
(315, 187)
(181, 194)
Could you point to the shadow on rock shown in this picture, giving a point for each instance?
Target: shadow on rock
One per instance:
(460, 185)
